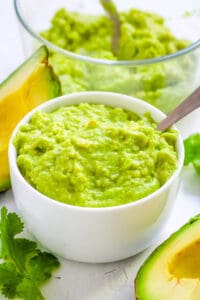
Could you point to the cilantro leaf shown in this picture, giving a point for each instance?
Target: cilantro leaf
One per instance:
(41, 267)
(196, 165)
(192, 151)
(9, 280)
(24, 267)
(15, 249)
(10, 226)
(28, 290)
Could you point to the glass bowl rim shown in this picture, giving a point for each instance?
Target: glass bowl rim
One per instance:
(99, 61)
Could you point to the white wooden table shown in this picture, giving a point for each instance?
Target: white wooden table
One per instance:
(111, 281)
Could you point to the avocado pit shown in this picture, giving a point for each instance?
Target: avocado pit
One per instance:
(186, 262)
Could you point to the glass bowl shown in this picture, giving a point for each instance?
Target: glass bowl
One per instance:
(163, 81)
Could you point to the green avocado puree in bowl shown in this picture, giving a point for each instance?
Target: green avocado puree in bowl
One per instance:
(94, 155)
(144, 35)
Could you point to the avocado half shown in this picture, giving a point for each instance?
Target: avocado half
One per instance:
(31, 84)
(172, 271)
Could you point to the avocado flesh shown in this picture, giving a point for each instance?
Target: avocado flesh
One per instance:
(31, 84)
(172, 271)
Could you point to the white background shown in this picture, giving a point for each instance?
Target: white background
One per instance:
(78, 281)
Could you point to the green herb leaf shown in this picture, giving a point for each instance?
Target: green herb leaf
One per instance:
(24, 267)
(10, 226)
(41, 266)
(9, 280)
(196, 165)
(192, 151)
(28, 290)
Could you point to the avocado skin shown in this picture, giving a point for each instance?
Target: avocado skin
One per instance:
(5, 184)
(41, 55)
(155, 254)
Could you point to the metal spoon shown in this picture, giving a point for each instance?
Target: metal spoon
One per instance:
(113, 14)
(191, 103)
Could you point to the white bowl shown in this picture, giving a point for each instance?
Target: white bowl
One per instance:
(94, 234)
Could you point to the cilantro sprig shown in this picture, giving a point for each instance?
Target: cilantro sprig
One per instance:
(192, 151)
(24, 268)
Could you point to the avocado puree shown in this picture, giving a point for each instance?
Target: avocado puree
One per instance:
(94, 155)
(144, 35)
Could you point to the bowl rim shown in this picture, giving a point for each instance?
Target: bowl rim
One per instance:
(99, 61)
(63, 99)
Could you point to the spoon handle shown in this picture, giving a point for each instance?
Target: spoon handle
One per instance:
(113, 14)
(191, 103)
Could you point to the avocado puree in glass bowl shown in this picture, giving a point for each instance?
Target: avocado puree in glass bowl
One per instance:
(144, 36)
